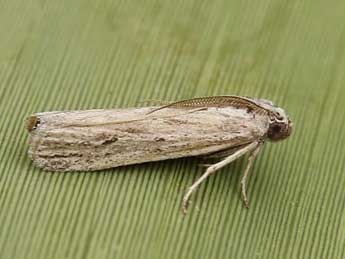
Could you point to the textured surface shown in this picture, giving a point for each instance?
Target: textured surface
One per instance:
(100, 139)
(57, 55)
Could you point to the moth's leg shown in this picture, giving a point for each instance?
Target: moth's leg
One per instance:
(225, 152)
(244, 179)
(220, 155)
(213, 168)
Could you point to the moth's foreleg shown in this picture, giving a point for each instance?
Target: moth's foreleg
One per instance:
(215, 167)
(244, 179)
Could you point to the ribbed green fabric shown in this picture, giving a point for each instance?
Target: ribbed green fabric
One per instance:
(80, 54)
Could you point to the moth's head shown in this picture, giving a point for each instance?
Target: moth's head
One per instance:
(280, 126)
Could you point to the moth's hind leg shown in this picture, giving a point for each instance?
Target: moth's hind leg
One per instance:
(244, 179)
(215, 167)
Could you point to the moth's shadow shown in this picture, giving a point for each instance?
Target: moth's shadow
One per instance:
(172, 178)
(178, 174)
(187, 170)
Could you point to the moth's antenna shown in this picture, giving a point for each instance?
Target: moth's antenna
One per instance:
(217, 101)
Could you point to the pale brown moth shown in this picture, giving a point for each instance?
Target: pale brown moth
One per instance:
(220, 126)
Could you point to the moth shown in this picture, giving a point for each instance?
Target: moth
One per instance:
(226, 127)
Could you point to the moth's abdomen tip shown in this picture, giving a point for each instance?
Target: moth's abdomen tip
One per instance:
(32, 122)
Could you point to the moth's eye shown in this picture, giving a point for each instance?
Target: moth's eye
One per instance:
(276, 128)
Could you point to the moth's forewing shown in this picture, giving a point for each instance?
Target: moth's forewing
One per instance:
(99, 139)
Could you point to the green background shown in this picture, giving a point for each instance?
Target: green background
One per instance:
(80, 54)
